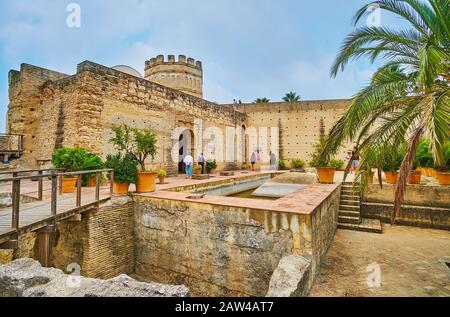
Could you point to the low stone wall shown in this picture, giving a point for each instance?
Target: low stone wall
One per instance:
(416, 195)
(228, 251)
(424, 206)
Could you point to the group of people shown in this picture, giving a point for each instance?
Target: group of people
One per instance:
(189, 164)
(188, 160)
(254, 158)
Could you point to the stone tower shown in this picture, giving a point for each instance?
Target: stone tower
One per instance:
(185, 75)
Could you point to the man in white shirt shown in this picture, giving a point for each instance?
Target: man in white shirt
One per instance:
(189, 162)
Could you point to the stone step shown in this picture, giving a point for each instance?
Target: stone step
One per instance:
(349, 193)
(366, 225)
(350, 197)
(349, 202)
(345, 219)
(349, 208)
(347, 213)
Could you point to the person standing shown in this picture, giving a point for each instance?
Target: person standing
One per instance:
(253, 160)
(273, 161)
(189, 162)
(355, 160)
(201, 162)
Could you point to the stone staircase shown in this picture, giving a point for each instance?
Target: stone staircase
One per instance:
(350, 212)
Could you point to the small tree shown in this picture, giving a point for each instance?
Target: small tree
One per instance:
(317, 158)
(138, 144)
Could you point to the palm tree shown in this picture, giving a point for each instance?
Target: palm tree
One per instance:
(408, 96)
(291, 97)
(261, 100)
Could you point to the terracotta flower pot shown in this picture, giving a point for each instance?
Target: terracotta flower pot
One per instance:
(369, 178)
(68, 184)
(414, 177)
(92, 181)
(120, 188)
(162, 179)
(326, 175)
(391, 178)
(146, 182)
(433, 173)
(443, 178)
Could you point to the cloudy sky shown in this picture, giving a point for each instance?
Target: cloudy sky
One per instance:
(249, 48)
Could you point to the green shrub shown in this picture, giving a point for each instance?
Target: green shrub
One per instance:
(297, 163)
(70, 159)
(125, 168)
(393, 158)
(337, 164)
(424, 157)
(211, 164)
(281, 164)
(446, 166)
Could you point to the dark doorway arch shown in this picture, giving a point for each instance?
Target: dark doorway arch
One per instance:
(186, 146)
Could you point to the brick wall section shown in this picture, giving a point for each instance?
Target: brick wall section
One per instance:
(109, 244)
(102, 243)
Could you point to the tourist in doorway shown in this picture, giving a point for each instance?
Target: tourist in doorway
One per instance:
(189, 162)
(273, 161)
(201, 162)
(253, 160)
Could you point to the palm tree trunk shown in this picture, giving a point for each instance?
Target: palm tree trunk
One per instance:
(405, 168)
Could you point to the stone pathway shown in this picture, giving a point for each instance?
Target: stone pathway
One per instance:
(412, 262)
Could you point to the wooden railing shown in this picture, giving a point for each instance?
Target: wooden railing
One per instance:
(56, 177)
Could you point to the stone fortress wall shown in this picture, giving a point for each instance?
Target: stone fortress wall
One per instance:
(52, 110)
(184, 74)
(299, 124)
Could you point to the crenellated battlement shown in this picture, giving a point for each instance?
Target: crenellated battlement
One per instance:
(184, 74)
(171, 60)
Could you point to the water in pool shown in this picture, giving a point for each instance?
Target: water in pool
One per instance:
(248, 194)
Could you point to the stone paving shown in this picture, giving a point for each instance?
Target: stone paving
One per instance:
(412, 263)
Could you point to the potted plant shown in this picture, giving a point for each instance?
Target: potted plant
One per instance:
(424, 157)
(70, 160)
(337, 164)
(125, 169)
(92, 162)
(392, 160)
(322, 164)
(197, 170)
(298, 165)
(443, 171)
(211, 166)
(162, 173)
(139, 145)
(282, 164)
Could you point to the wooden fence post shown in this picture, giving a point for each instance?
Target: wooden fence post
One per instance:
(40, 185)
(15, 203)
